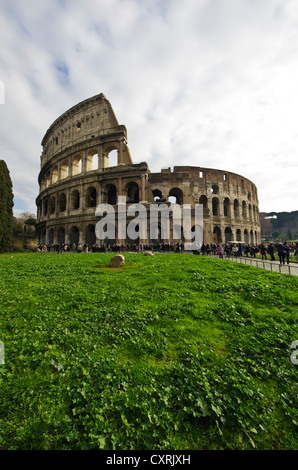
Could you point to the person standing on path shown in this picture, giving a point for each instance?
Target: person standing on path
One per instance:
(281, 251)
(287, 250)
(270, 251)
(263, 251)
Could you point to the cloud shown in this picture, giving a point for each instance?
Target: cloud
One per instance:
(207, 83)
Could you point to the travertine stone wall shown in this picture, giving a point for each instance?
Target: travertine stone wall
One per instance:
(77, 174)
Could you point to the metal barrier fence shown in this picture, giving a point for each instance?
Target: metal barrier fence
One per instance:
(273, 266)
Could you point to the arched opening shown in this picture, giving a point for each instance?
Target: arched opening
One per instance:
(90, 235)
(132, 231)
(226, 207)
(215, 189)
(74, 235)
(55, 174)
(48, 179)
(94, 162)
(51, 236)
(45, 206)
(75, 200)
(44, 236)
(203, 200)
(236, 208)
(155, 233)
(245, 236)
(91, 197)
(238, 235)
(112, 195)
(61, 235)
(132, 193)
(251, 237)
(53, 205)
(178, 233)
(157, 196)
(62, 203)
(113, 158)
(249, 211)
(217, 235)
(244, 209)
(64, 169)
(77, 165)
(110, 238)
(215, 206)
(195, 233)
(228, 234)
(176, 196)
(39, 209)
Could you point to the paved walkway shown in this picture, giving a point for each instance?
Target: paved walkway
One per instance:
(274, 266)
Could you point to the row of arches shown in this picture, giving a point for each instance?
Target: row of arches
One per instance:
(88, 235)
(229, 207)
(175, 196)
(77, 199)
(72, 236)
(59, 203)
(228, 234)
(131, 191)
(53, 204)
(73, 166)
(215, 189)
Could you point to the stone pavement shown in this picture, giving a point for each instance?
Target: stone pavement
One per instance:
(273, 266)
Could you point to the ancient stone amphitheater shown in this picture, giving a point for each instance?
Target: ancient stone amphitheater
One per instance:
(85, 162)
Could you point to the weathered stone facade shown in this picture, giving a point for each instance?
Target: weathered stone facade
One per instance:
(76, 176)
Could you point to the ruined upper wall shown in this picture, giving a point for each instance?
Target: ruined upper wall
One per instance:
(90, 118)
(204, 180)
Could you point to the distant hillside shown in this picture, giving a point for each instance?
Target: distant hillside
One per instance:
(279, 225)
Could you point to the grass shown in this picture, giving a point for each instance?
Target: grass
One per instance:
(174, 351)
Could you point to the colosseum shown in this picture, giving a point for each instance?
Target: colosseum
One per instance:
(86, 162)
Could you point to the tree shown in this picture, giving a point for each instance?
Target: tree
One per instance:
(6, 208)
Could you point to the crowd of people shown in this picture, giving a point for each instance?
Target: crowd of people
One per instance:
(281, 250)
(270, 251)
(110, 247)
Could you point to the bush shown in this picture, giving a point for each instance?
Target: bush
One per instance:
(18, 246)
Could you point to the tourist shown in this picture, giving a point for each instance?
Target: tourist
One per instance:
(220, 251)
(270, 251)
(235, 251)
(240, 249)
(228, 250)
(252, 252)
(287, 250)
(281, 252)
(263, 251)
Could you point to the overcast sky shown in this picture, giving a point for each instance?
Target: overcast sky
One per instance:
(210, 83)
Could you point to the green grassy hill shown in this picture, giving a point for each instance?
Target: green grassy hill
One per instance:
(174, 351)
